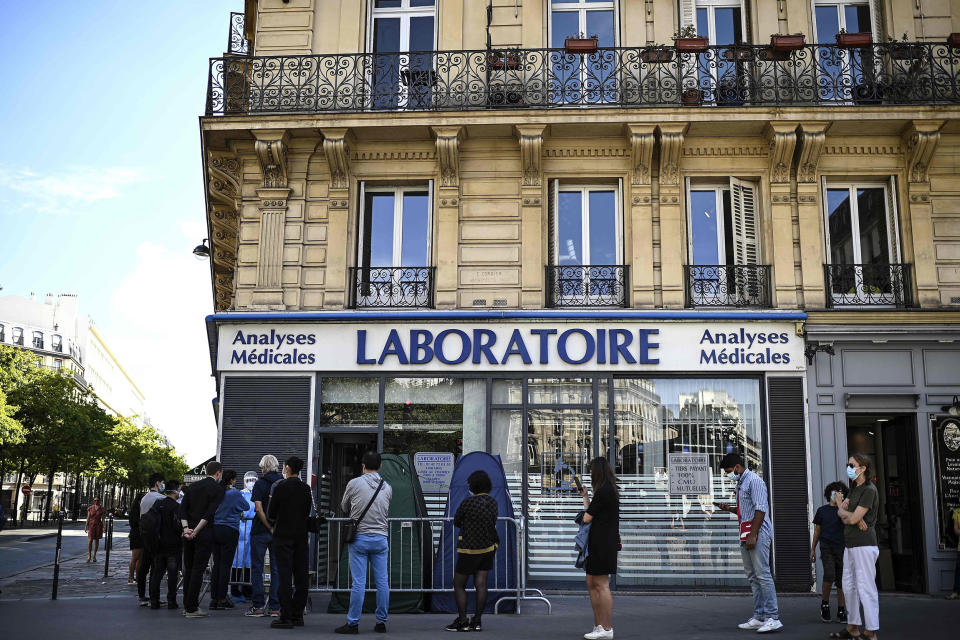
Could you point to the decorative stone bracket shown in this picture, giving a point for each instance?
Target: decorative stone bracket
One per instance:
(812, 137)
(448, 154)
(783, 140)
(336, 147)
(223, 189)
(641, 138)
(920, 141)
(271, 148)
(671, 142)
(531, 152)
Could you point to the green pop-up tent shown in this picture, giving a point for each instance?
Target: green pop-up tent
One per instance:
(411, 544)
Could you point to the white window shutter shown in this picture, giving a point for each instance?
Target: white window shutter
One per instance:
(743, 202)
(688, 13)
(876, 23)
(552, 222)
(893, 226)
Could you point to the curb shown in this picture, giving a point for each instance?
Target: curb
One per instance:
(41, 536)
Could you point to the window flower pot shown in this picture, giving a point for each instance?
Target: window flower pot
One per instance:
(581, 46)
(691, 45)
(854, 40)
(691, 97)
(791, 42)
(734, 54)
(657, 55)
(500, 61)
(953, 40)
(906, 51)
(769, 54)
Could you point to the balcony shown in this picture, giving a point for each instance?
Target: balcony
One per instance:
(237, 43)
(588, 286)
(391, 287)
(869, 285)
(733, 285)
(893, 73)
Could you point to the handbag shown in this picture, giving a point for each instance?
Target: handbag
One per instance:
(349, 531)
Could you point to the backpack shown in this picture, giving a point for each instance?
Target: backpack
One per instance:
(171, 531)
(150, 528)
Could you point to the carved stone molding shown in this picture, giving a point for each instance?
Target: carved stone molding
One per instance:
(812, 137)
(782, 137)
(920, 141)
(336, 147)
(271, 148)
(394, 155)
(223, 178)
(671, 142)
(531, 152)
(641, 138)
(448, 154)
(725, 151)
(585, 152)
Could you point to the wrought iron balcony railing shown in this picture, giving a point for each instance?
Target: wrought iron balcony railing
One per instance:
(588, 286)
(869, 285)
(237, 43)
(733, 285)
(391, 287)
(741, 75)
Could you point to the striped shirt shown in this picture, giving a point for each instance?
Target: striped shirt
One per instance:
(752, 497)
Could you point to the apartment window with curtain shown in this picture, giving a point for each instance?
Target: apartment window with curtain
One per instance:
(393, 257)
(586, 245)
(402, 36)
(863, 244)
(724, 266)
(590, 78)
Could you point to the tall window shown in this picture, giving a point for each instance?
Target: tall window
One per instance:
(38, 340)
(722, 73)
(402, 35)
(57, 342)
(862, 242)
(844, 72)
(590, 78)
(3, 333)
(17, 336)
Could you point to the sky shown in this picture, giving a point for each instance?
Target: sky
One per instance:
(101, 183)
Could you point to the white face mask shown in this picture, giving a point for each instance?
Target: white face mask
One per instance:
(249, 484)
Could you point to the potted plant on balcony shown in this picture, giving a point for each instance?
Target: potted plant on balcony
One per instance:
(686, 40)
(580, 44)
(904, 50)
(854, 40)
(500, 60)
(656, 55)
(691, 97)
(738, 54)
(788, 41)
(953, 40)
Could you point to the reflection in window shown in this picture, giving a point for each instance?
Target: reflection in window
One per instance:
(349, 402)
(423, 414)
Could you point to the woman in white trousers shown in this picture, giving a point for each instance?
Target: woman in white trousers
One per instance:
(859, 515)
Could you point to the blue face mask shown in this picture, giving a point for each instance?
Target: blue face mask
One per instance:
(852, 473)
(733, 475)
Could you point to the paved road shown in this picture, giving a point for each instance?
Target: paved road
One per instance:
(640, 617)
(19, 554)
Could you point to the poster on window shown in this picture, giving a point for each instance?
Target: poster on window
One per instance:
(946, 446)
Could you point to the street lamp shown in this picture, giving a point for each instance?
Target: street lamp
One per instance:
(202, 251)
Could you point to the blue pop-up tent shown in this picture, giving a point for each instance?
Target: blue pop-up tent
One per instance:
(502, 579)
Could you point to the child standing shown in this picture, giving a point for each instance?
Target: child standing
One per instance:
(829, 534)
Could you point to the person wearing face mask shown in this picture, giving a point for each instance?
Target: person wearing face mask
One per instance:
(241, 559)
(197, 511)
(859, 515)
(756, 538)
(226, 533)
(145, 566)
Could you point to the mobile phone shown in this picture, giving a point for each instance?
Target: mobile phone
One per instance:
(576, 481)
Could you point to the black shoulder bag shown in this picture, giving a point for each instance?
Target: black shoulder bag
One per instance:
(349, 531)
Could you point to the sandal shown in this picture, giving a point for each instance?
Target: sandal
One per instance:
(844, 635)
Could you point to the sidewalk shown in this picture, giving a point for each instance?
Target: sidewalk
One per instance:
(712, 617)
(38, 533)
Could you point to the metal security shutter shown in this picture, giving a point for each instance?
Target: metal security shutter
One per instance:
(261, 415)
(788, 462)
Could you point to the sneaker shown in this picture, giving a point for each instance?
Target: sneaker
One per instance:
(475, 624)
(154, 605)
(589, 634)
(254, 612)
(131, 581)
(280, 623)
(348, 628)
(380, 627)
(770, 625)
(199, 613)
(144, 602)
(954, 596)
(274, 613)
(825, 611)
(226, 604)
(215, 605)
(751, 624)
(842, 615)
(459, 624)
(600, 634)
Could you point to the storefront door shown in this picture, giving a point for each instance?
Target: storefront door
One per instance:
(891, 441)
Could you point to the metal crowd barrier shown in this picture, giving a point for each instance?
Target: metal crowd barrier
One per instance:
(415, 549)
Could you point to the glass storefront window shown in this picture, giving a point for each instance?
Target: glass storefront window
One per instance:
(349, 402)
(560, 390)
(508, 391)
(423, 414)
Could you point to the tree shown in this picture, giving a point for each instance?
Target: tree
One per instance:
(17, 368)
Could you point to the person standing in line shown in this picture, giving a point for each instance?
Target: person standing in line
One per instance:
(603, 516)
(226, 531)
(169, 546)
(756, 538)
(94, 529)
(197, 512)
(289, 511)
(367, 499)
(261, 536)
(476, 517)
(829, 534)
(146, 558)
(859, 513)
(136, 540)
(955, 521)
(241, 561)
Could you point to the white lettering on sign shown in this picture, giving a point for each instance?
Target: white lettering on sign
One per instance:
(435, 471)
(689, 473)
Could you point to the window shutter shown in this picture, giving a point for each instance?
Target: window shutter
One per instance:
(893, 226)
(743, 201)
(876, 23)
(688, 13)
(552, 223)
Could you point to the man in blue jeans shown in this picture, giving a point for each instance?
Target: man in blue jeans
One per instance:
(753, 509)
(368, 496)
(261, 535)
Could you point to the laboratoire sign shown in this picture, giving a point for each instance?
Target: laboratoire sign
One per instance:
(504, 346)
